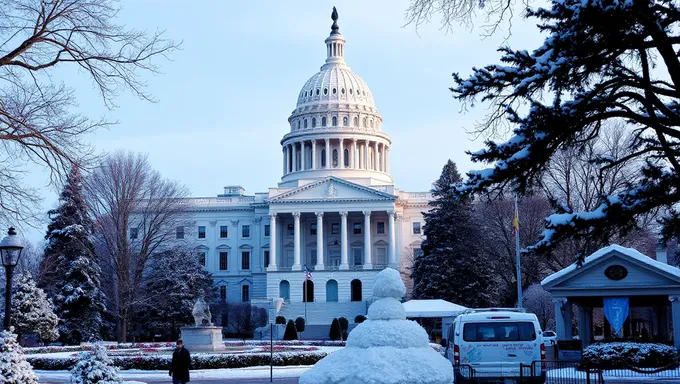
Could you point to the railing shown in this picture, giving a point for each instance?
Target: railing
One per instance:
(356, 267)
(379, 266)
(284, 269)
(332, 268)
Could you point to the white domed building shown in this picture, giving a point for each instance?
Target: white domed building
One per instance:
(335, 211)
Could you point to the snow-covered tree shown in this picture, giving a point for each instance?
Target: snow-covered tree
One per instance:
(174, 281)
(95, 367)
(451, 266)
(601, 61)
(70, 268)
(538, 301)
(14, 369)
(32, 310)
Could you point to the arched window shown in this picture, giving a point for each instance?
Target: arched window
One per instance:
(308, 291)
(371, 123)
(332, 291)
(355, 121)
(313, 122)
(284, 290)
(323, 158)
(323, 121)
(346, 156)
(356, 290)
(305, 123)
(335, 121)
(364, 122)
(298, 124)
(345, 121)
(335, 158)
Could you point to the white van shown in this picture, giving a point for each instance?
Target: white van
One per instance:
(492, 344)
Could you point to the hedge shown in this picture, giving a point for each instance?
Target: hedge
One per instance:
(624, 355)
(198, 361)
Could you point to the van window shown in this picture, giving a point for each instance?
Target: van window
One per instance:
(516, 331)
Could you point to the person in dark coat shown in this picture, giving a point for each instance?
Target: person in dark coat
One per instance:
(180, 365)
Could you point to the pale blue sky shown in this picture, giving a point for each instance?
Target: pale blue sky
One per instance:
(224, 99)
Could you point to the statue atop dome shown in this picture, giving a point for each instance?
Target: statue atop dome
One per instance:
(334, 17)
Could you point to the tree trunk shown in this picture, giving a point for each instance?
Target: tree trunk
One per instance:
(122, 326)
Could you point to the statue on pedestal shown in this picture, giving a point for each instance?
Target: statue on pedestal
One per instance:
(201, 313)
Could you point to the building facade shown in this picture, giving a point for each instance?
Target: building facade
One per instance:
(336, 210)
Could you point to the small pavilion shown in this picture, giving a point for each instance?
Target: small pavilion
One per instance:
(616, 272)
(441, 312)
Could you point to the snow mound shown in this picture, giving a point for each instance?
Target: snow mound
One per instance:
(388, 333)
(384, 349)
(387, 308)
(388, 284)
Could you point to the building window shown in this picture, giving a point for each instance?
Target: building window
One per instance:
(312, 229)
(416, 228)
(284, 290)
(245, 231)
(134, 232)
(357, 228)
(335, 229)
(355, 290)
(305, 123)
(179, 233)
(380, 229)
(323, 121)
(313, 122)
(245, 293)
(346, 160)
(335, 158)
(266, 258)
(201, 258)
(345, 121)
(363, 123)
(266, 230)
(298, 125)
(355, 121)
(371, 123)
(312, 254)
(224, 231)
(223, 293)
(245, 260)
(323, 158)
(325, 91)
(357, 255)
(291, 229)
(201, 232)
(334, 120)
(224, 261)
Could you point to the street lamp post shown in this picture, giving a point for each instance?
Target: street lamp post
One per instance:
(10, 251)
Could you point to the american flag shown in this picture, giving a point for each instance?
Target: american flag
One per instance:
(308, 274)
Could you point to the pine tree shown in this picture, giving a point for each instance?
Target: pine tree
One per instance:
(14, 369)
(335, 333)
(95, 367)
(451, 267)
(70, 270)
(32, 311)
(291, 332)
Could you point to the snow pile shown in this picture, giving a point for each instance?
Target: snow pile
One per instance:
(14, 369)
(95, 368)
(386, 348)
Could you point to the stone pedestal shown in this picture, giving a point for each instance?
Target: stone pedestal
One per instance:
(203, 339)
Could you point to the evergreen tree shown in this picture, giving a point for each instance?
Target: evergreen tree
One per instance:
(32, 310)
(175, 280)
(70, 270)
(291, 332)
(95, 368)
(335, 333)
(601, 62)
(451, 266)
(14, 369)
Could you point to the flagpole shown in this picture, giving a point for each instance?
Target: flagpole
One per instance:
(519, 269)
(304, 294)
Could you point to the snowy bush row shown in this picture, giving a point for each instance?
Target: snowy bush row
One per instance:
(313, 343)
(198, 361)
(85, 347)
(622, 355)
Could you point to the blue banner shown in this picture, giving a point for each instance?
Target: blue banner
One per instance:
(616, 311)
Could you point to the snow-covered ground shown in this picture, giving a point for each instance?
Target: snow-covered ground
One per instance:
(614, 376)
(138, 376)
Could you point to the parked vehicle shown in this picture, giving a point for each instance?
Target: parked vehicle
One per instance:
(549, 338)
(492, 344)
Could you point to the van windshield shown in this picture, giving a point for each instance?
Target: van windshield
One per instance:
(507, 331)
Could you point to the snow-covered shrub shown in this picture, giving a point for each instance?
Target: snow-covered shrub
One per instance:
(95, 368)
(14, 369)
(335, 333)
(32, 311)
(291, 332)
(623, 355)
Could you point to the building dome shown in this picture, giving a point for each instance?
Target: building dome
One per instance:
(335, 128)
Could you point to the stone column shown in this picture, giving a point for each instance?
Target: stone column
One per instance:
(285, 166)
(303, 155)
(272, 242)
(387, 160)
(313, 154)
(319, 241)
(562, 318)
(368, 261)
(391, 256)
(366, 155)
(328, 153)
(296, 243)
(353, 160)
(675, 313)
(375, 156)
(344, 247)
(291, 163)
(582, 327)
(382, 159)
(341, 155)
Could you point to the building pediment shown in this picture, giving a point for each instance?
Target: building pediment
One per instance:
(331, 189)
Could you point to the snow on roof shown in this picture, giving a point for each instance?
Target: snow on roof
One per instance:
(628, 252)
(432, 308)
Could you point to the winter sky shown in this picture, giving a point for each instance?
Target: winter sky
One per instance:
(224, 99)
